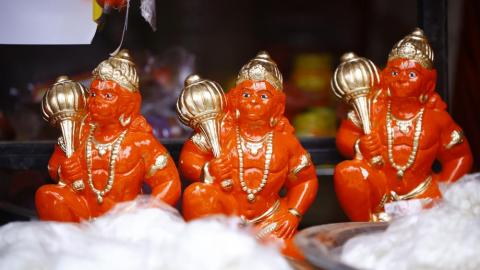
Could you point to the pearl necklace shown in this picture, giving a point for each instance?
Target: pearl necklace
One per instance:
(404, 125)
(113, 159)
(251, 192)
(416, 139)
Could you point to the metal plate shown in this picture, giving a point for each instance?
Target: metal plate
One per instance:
(322, 244)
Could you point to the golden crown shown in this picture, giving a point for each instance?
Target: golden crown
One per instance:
(120, 69)
(414, 46)
(261, 68)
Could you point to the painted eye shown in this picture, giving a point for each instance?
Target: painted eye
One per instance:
(108, 96)
(412, 75)
(246, 95)
(394, 73)
(264, 96)
(92, 94)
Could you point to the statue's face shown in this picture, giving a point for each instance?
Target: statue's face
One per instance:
(256, 101)
(404, 78)
(103, 102)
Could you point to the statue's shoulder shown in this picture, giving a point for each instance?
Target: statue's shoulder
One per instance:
(436, 103)
(288, 140)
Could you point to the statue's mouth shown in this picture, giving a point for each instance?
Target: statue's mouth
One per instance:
(98, 115)
(401, 84)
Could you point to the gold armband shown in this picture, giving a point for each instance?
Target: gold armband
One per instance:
(304, 162)
(295, 212)
(456, 137)
(160, 163)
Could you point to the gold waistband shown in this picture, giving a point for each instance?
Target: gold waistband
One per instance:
(380, 215)
(263, 216)
(414, 192)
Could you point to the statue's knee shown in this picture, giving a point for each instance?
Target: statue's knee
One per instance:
(50, 203)
(198, 191)
(199, 200)
(350, 174)
(48, 193)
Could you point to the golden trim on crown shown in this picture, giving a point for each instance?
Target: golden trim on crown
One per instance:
(261, 68)
(414, 46)
(120, 69)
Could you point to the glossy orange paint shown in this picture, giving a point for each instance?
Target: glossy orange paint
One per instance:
(408, 87)
(257, 103)
(138, 152)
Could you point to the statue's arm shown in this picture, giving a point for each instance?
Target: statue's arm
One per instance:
(347, 135)
(302, 182)
(56, 159)
(193, 157)
(58, 156)
(161, 173)
(454, 154)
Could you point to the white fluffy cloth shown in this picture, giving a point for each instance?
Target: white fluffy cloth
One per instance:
(446, 236)
(143, 235)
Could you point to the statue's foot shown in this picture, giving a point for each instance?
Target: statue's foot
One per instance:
(60, 203)
(267, 230)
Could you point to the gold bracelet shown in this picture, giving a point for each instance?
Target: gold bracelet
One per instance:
(295, 212)
(78, 185)
(376, 160)
(227, 184)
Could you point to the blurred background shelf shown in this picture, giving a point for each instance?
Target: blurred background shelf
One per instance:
(35, 155)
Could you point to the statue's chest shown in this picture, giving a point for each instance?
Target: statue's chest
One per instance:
(419, 130)
(274, 158)
(123, 160)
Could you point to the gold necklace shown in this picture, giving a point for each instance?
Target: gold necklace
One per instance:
(251, 192)
(113, 159)
(404, 125)
(416, 139)
(102, 148)
(253, 145)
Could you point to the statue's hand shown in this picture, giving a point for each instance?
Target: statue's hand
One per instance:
(370, 145)
(71, 169)
(286, 225)
(221, 168)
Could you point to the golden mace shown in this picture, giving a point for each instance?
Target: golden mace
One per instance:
(201, 106)
(352, 82)
(64, 104)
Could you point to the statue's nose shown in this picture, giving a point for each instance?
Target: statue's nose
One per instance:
(403, 77)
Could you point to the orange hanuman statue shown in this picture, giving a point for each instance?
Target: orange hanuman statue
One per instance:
(410, 130)
(116, 148)
(241, 169)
